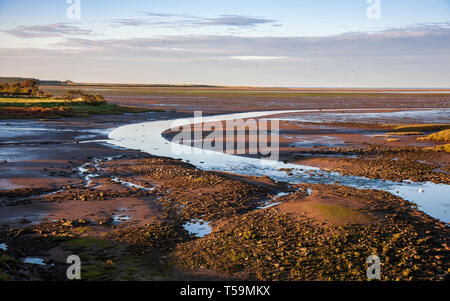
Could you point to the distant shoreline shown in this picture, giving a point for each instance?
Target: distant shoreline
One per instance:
(68, 83)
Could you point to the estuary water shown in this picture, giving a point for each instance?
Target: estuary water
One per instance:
(433, 199)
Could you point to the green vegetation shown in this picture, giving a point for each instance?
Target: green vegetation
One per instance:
(86, 98)
(419, 127)
(388, 135)
(339, 212)
(439, 136)
(4, 277)
(83, 229)
(161, 236)
(222, 92)
(97, 272)
(42, 82)
(89, 242)
(27, 88)
(22, 109)
(6, 264)
(269, 245)
(203, 180)
(440, 148)
(42, 108)
(34, 104)
(404, 134)
(8, 260)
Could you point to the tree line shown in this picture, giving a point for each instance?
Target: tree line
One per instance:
(27, 88)
(87, 98)
(30, 88)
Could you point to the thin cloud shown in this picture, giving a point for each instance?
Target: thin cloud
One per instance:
(156, 19)
(51, 30)
(165, 15)
(415, 56)
(177, 20)
(129, 22)
(421, 29)
(236, 20)
(386, 43)
(256, 58)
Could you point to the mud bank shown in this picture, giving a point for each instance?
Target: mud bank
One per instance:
(147, 137)
(129, 216)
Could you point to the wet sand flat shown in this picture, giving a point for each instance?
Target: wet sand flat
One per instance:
(235, 99)
(131, 215)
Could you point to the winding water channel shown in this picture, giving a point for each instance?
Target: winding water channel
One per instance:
(434, 199)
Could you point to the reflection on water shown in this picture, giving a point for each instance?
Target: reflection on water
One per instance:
(118, 219)
(130, 185)
(434, 200)
(321, 141)
(408, 116)
(199, 228)
(34, 260)
(3, 247)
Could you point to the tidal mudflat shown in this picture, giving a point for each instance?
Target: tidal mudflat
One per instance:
(108, 189)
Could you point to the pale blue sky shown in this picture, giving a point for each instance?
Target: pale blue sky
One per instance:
(267, 43)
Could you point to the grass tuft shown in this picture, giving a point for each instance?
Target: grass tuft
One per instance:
(419, 127)
(339, 212)
(19, 108)
(439, 136)
(439, 148)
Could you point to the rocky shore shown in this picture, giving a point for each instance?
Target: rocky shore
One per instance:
(132, 216)
(314, 232)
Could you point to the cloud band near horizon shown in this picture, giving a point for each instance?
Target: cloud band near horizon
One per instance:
(414, 56)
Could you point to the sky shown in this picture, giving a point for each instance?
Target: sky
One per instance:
(284, 43)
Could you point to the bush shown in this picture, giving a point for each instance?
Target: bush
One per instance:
(93, 100)
(100, 99)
